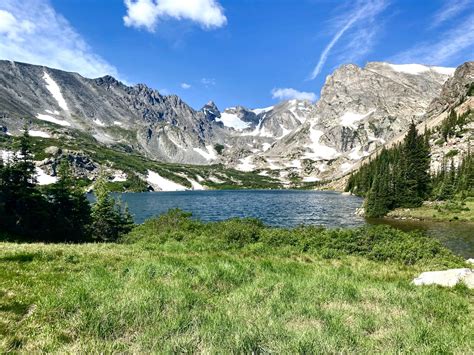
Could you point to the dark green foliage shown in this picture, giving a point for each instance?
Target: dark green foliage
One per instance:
(400, 177)
(380, 243)
(397, 177)
(454, 124)
(24, 211)
(110, 220)
(132, 184)
(70, 211)
(470, 90)
(219, 148)
(454, 181)
(57, 213)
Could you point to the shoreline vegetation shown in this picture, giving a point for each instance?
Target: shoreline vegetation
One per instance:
(440, 211)
(175, 284)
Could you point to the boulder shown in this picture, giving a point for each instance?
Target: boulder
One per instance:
(447, 278)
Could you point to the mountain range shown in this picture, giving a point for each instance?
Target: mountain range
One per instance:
(359, 110)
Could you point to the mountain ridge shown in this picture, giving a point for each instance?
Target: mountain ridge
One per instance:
(360, 108)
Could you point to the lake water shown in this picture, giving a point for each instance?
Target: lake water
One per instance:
(288, 208)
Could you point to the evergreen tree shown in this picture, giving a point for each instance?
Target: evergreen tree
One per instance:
(110, 219)
(70, 210)
(379, 200)
(25, 209)
(415, 165)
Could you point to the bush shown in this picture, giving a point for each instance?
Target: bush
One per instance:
(380, 243)
(239, 232)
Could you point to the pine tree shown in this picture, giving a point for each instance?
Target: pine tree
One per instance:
(70, 209)
(110, 220)
(378, 199)
(25, 210)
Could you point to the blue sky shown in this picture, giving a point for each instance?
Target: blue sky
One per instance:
(236, 52)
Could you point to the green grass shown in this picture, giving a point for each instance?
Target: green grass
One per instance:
(442, 211)
(177, 285)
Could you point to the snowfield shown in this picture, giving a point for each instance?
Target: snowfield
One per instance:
(208, 154)
(157, 181)
(246, 164)
(350, 118)
(52, 119)
(43, 178)
(55, 91)
(41, 134)
(233, 121)
(319, 151)
(99, 122)
(416, 69)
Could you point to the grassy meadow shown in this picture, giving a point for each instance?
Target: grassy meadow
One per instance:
(178, 285)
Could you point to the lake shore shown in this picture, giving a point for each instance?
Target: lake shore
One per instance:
(436, 211)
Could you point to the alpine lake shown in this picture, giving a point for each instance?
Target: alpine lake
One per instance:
(290, 208)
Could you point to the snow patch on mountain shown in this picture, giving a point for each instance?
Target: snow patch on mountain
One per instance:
(55, 91)
(258, 111)
(417, 69)
(52, 119)
(43, 178)
(233, 121)
(40, 134)
(196, 185)
(208, 154)
(319, 151)
(310, 179)
(99, 122)
(162, 184)
(444, 70)
(246, 164)
(350, 118)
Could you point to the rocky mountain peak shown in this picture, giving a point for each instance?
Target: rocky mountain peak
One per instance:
(108, 80)
(210, 110)
(454, 90)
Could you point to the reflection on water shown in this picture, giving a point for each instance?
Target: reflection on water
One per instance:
(289, 208)
(457, 236)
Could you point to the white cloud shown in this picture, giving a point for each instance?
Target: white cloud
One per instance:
(32, 31)
(185, 86)
(455, 44)
(147, 13)
(451, 9)
(208, 82)
(362, 17)
(289, 93)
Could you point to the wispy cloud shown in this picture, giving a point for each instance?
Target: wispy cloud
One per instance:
(207, 82)
(457, 43)
(185, 86)
(450, 10)
(147, 13)
(289, 93)
(361, 18)
(32, 31)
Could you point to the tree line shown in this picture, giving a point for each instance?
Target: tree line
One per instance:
(400, 176)
(58, 212)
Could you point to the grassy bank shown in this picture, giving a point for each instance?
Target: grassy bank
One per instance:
(177, 285)
(442, 211)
